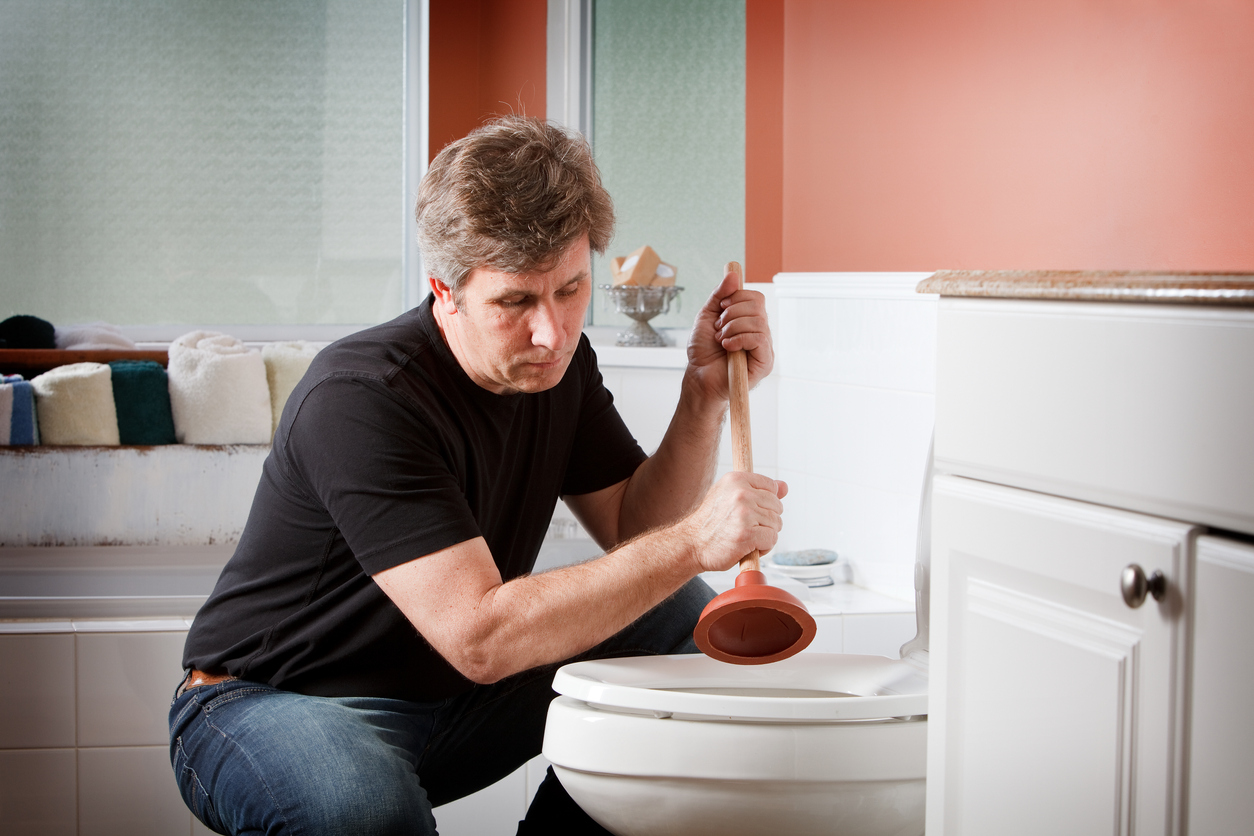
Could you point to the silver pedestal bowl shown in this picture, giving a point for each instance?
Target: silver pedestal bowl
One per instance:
(641, 304)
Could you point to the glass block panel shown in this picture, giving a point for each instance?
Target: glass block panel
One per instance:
(201, 161)
(669, 135)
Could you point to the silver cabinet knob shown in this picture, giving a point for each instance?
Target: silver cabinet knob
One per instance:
(1135, 585)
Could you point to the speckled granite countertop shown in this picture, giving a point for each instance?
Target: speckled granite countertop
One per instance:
(1231, 289)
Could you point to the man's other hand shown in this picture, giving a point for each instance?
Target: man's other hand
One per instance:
(731, 319)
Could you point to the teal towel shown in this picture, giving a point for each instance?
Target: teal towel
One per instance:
(141, 393)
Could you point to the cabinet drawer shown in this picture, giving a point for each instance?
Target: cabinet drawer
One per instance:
(1145, 407)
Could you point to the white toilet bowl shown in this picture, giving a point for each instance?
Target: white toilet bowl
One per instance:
(688, 746)
(817, 744)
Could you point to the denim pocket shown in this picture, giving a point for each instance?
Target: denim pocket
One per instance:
(195, 796)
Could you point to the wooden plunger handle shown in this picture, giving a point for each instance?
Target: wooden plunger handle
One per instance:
(741, 437)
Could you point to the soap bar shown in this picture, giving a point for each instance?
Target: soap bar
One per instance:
(643, 268)
(637, 268)
(665, 275)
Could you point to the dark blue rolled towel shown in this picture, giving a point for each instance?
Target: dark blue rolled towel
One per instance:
(141, 392)
(18, 422)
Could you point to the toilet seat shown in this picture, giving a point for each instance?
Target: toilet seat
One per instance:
(809, 688)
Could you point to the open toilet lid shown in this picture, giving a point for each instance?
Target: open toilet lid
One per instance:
(812, 687)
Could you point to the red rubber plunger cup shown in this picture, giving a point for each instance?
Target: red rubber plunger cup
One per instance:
(753, 623)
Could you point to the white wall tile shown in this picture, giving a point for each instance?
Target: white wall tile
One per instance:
(864, 436)
(856, 361)
(129, 790)
(887, 343)
(874, 530)
(125, 682)
(36, 691)
(763, 428)
(37, 792)
(646, 398)
(880, 634)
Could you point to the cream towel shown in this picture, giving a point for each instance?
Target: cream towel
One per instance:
(75, 405)
(93, 337)
(286, 364)
(218, 390)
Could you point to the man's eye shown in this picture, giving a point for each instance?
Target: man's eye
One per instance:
(512, 302)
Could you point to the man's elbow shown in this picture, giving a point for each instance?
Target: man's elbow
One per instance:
(480, 665)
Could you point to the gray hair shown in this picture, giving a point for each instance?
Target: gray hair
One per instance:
(512, 195)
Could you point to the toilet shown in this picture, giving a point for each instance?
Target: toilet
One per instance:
(820, 743)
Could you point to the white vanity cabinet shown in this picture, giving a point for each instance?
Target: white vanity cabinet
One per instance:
(1083, 446)
(1056, 700)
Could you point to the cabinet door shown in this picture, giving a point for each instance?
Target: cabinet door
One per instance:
(1221, 751)
(1054, 705)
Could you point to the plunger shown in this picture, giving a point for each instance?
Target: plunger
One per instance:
(753, 623)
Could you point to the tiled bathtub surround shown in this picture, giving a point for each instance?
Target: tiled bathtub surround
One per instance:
(90, 753)
(855, 378)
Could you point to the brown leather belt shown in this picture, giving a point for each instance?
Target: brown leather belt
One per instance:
(196, 678)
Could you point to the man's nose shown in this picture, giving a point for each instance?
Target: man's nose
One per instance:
(547, 329)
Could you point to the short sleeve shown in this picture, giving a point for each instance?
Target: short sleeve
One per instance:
(604, 452)
(385, 477)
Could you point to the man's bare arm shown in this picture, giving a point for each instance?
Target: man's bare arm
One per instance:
(488, 629)
(675, 478)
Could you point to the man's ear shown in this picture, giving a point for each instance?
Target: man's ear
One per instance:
(443, 295)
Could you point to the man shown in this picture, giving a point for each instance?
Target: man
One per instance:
(376, 647)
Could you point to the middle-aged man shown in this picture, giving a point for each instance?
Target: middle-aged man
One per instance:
(376, 645)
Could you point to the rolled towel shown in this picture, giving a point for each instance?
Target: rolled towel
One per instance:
(23, 422)
(75, 405)
(93, 337)
(141, 393)
(26, 331)
(286, 364)
(6, 412)
(218, 390)
(18, 425)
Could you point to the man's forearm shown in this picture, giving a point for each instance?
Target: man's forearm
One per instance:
(672, 481)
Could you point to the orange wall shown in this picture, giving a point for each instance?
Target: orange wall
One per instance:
(984, 134)
(764, 139)
(487, 58)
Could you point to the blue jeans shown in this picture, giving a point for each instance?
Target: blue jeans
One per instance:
(252, 759)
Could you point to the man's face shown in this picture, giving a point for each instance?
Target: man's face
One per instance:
(517, 332)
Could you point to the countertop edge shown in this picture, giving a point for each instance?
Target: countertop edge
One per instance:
(1228, 289)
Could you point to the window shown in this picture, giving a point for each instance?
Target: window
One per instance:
(174, 163)
(668, 104)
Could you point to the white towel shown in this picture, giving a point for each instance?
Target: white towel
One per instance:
(218, 390)
(96, 336)
(75, 405)
(286, 364)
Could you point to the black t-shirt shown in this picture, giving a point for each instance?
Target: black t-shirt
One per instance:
(387, 451)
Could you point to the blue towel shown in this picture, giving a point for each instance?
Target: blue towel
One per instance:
(141, 393)
(21, 428)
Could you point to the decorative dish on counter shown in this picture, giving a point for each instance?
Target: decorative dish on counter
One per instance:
(812, 567)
